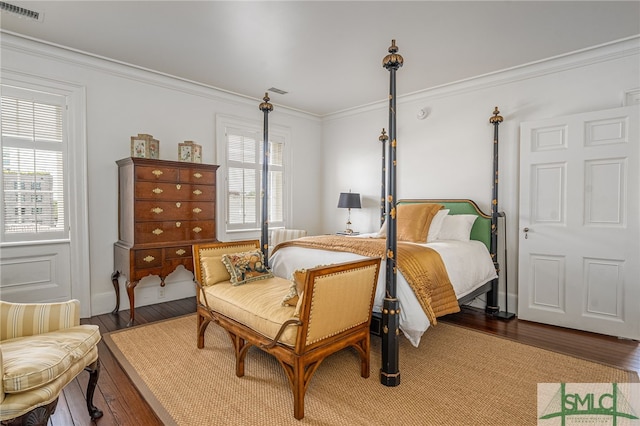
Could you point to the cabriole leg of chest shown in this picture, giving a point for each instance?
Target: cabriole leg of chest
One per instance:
(116, 287)
(131, 286)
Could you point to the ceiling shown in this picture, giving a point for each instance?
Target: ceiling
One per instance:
(326, 55)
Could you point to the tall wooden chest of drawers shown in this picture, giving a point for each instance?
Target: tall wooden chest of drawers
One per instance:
(164, 207)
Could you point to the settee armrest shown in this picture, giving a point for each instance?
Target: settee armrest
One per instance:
(341, 298)
(28, 319)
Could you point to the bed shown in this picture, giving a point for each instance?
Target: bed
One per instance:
(395, 311)
(468, 264)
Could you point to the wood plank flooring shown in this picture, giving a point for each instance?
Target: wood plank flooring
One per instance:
(123, 405)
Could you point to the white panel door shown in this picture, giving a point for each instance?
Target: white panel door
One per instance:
(579, 242)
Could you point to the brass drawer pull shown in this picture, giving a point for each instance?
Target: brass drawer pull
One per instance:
(149, 259)
(178, 224)
(178, 186)
(178, 205)
(157, 210)
(180, 252)
(157, 191)
(197, 210)
(197, 175)
(197, 192)
(157, 231)
(157, 173)
(197, 229)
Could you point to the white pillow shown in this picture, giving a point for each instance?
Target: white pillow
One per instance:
(436, 225)
(457, 227)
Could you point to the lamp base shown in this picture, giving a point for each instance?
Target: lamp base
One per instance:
(504, 315)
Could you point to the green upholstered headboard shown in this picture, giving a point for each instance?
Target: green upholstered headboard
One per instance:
(481, 230)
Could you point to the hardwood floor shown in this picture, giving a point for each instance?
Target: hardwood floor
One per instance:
(123, 405)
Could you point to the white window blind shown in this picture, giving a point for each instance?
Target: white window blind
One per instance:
(244, 176)
(33, 152)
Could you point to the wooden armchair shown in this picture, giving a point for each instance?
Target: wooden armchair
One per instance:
(333, 311)
(43, 348)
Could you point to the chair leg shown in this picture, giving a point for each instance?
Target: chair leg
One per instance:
(298, 387)
(37, 417)
(94, 373)
(202, 327)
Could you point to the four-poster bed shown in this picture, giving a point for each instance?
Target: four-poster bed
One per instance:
(470, 261)
(468, 264)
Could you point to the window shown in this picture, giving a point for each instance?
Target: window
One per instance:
(33, 151)
(244, 179)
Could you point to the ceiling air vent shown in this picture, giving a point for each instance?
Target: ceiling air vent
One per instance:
(21, 11)
(276, 90)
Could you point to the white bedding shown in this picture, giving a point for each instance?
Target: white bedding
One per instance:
(468, 264)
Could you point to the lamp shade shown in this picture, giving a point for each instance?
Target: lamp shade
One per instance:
(349, 200)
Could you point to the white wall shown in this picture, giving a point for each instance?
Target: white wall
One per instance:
(447, 155)
(450, 153)
(122, 102)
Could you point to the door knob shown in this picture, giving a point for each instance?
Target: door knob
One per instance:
(526, 233)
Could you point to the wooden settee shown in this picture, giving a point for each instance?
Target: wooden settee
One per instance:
(333, 312)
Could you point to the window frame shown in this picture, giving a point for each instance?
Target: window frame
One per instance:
(276, 134)
(62, 147)
(77, 179)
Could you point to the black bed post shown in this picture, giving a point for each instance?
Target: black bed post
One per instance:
(492, 296)
(390, 372)
(383, 191)
(266, 108)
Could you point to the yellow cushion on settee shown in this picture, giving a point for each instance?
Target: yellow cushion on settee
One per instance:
(32, 362)
(213, 270)
(256, 304)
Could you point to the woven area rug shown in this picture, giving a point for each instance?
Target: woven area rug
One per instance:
(456, 377)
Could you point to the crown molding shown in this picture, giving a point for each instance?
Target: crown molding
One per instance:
(581, 58)
(63, 54)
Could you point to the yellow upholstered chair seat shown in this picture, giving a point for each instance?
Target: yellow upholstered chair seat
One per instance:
(257, 304)
(43, 348)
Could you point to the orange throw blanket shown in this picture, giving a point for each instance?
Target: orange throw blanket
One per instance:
(421, 266)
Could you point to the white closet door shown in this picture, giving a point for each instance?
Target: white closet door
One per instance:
(579, 242)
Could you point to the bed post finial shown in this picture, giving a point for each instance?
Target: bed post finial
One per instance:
(383, 136)
(496, 119)
(266, 108)
(393, 59)
(390, 371)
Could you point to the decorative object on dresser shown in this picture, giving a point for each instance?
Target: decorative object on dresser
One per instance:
(190, 151)
(145, 146)
(163, 208)
(349, 200)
